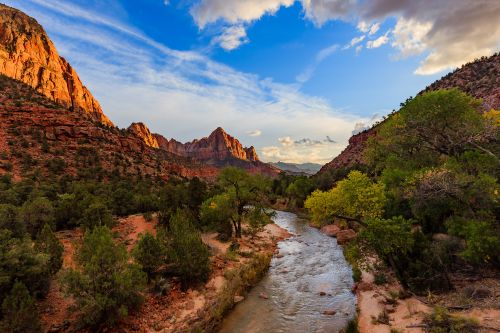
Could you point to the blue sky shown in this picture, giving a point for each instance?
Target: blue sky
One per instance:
(294, 78)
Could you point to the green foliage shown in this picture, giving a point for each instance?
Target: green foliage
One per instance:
(37, 213)
(9, 220)
(48, 243)
(97, 214)
(440, 321)
(187, 251)
(388, 237)
(19, 311)
(356, 197)
(149, 253)
(243, 195)
(19, 261)
(219, 212)
(299, 190)
(105, 286)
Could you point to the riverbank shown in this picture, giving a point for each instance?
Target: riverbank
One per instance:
(166, 307)
(383, 306)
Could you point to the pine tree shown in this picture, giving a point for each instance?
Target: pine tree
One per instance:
(48, 243)
(19, 312)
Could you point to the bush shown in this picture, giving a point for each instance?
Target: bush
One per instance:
(187, 251)
(106, 286)
(440, 321)
(97, 214)
(48, 243)
(19, 261)
(19, 311)
(149, 253)
(37, 213)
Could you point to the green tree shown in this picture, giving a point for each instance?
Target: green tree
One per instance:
(9, 220)
(356, 198)
(172, 197)
(299, 190)
(97, 214)
(48, 243)
(220, 213)
(19, 261)
(19, 311)
(187, 251)
(105, 286)
(149, 253)
(245, 192)
(37, 213)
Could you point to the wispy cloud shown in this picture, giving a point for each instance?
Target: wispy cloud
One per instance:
(308, 73)
(182, 94)
(376, 43)
(451, 37)
(255, 133)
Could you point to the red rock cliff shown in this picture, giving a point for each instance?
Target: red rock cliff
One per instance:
(28, 55)
(218, 146)
(140, 130)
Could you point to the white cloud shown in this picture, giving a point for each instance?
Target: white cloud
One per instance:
(179, 94)
(374, 28)
(300, 150)
(409, 36)
(359, 48)
(354, 41)
(376, 43)
(166, 2)
(232, 37)
(451, 31)
(234, 11)
(255, 133)
(307, 74)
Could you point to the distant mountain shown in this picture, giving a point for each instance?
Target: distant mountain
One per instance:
(47, 115)
(480, 79)
(294, 168)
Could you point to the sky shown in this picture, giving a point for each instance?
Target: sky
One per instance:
(294, 78)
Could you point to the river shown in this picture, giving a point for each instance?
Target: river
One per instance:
(309, 263)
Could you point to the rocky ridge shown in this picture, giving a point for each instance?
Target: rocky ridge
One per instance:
(48, 98)
(27, 54)
(480, 79)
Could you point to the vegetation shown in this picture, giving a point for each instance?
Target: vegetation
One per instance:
(432, 168)
(149, 253)
(19, 311)
(186, 250)
(440, 321)
(243, 197)
(105, 285)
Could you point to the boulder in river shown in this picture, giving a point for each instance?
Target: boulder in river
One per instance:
(263, 296)
(329, 312)
(238, 298)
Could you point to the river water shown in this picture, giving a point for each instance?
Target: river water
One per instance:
(311, 263)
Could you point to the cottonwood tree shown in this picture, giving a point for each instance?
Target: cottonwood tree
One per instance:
(243, 194)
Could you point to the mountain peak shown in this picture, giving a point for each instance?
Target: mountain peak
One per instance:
(142, 131)
(27, 54)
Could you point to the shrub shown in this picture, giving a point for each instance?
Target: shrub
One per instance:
(19, 261)
(106, 286)
(19, 311)
(440, 321)
(48, 243)
(149, 253)
(37, 213)
(187, 251)
(97, 214)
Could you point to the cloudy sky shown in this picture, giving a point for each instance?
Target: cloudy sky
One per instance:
(294, 78)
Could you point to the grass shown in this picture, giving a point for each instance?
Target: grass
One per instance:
(441, 321)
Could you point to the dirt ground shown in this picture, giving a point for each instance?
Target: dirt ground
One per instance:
(172, 312)
(406, 315)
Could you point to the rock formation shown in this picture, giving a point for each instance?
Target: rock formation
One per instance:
(28, 55)
(140, 130)
(480, 79)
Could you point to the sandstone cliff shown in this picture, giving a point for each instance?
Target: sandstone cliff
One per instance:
(217, 147)
(28, 55)
(480, 79)
(141, 131)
